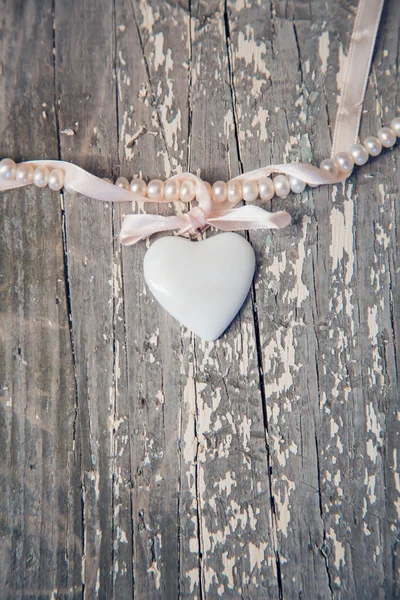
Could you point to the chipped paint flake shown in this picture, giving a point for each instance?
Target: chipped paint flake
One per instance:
(159, 57)
(282, 491)
(342, 237)
(338, 548)
(323, 50)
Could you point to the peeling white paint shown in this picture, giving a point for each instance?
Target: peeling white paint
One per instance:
(338, 549)
(342, 237)
(299, 291)
(252, 52)
(323, 50)
(282, 503)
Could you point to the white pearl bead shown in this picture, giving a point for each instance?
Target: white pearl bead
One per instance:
(41, 177)
(345, 162)
(387, 137)
(373, 146)
(172, 190)
(138, 186)
(219, 191)
(123, 183)
(395, 125)
(7, 169)
(330, 167)
(282, 186)
(155, 190)
(296, 185)
(235, 192)
(56, 179)
(267, 188)
(359, 154)
(250, 191)
(188, 191)
(24, 173)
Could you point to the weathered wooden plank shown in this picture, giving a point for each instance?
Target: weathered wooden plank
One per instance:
(38, 542)
(86, 104)
(152, 107)
(379, 281)
(231, 468)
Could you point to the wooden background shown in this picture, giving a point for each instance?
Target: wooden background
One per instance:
(137, 461)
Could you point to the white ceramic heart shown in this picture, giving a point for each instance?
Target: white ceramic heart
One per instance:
(201, 284)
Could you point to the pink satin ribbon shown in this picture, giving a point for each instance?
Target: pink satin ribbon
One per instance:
(208, 213)
(356, 73)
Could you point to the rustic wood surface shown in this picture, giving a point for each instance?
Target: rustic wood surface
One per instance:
(136, 460)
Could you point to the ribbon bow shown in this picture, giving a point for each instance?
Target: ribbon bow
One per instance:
(223, 216)
(207, 213)
(201, 217)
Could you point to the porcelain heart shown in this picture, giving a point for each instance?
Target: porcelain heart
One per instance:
(201, 284)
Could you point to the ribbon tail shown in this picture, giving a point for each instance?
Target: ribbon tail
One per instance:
(138, 227)
(356, 72)
(250, 217)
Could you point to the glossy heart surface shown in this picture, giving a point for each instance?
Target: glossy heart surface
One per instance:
(201, 284)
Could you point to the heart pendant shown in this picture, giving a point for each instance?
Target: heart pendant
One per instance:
(201, 284)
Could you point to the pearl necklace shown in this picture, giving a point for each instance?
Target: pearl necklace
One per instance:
(234, 191)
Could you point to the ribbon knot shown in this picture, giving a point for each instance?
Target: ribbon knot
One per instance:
(207, 213)
(196, 221)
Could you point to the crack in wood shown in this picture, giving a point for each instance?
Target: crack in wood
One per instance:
(254, 305)
(197, 479)
(325, 553)
(67, 294)
(232, 85)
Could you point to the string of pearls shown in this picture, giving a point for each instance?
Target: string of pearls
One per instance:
(26, 173)
(233, 191)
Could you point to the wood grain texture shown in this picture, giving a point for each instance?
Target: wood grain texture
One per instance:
(136, 460)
